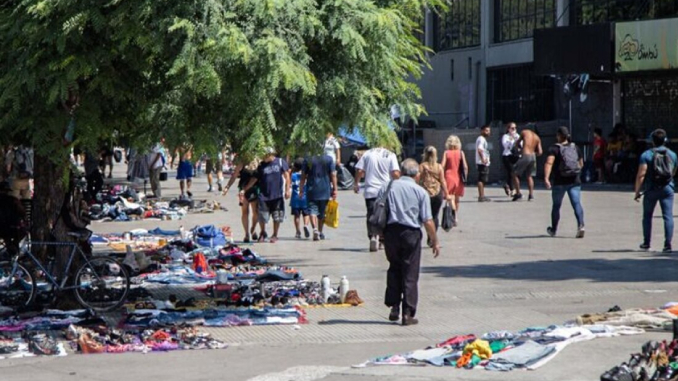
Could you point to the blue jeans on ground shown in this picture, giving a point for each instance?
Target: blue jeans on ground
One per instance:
(665, 198)
(558, 194)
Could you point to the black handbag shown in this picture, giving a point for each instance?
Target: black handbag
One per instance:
(462, 171)
(379, 218)
(163, 176)
(448, 218)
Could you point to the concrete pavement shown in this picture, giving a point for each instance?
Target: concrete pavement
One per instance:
(498, 270)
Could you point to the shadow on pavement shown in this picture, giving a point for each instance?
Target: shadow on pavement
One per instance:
(651, 268)
(532, 236)
(346, 249)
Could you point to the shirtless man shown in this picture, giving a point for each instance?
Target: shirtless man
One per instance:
(527, 164)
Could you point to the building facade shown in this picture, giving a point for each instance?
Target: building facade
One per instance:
(583, 63)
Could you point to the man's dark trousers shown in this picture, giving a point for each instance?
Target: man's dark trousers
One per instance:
(403, 251)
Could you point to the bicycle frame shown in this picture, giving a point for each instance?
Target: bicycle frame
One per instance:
(50, 277)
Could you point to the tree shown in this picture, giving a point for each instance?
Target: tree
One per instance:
(253, 72)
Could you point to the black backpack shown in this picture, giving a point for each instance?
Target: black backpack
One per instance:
(663, 167)
(379, 218)
(569, 160)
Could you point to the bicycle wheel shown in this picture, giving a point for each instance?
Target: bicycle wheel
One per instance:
(17, 286)
(102, 284)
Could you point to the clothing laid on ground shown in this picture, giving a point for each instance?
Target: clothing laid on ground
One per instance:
(482, 146)
(318, 171)
(526, 165)
(270, 179)
(453, 167)
(378, 164)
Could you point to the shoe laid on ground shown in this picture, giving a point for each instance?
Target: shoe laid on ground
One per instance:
(321, 236)
(316, 235)
(297, 236)
(530, 198)
(273, 239)
(644, 246)
(395, 314)
(517, 196)
(507, 189)
(307, 233)
(409, 320)
(373, 245)
(667, 250)
(551, 231)
(580, 232)
(209, 190)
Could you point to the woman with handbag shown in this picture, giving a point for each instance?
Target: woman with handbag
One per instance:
(432, 178)
(509, 156)
(456, 169)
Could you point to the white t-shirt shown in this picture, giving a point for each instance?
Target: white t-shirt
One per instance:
(378, 163)
(481, 144)
(331, 147)
(157, 149)
(508, 140)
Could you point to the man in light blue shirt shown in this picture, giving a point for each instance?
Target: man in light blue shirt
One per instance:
(655, 173)
(409, 209)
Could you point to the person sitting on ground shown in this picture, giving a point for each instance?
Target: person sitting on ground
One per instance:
(530, 144)
(299, 202)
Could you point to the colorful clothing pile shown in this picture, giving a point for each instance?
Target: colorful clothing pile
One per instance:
(213, 317)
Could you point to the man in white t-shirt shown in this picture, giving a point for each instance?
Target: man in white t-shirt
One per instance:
(332, 148)
(483, 162)
(378, 166)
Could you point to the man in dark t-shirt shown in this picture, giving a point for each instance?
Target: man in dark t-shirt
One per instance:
(320, 177)
(272, 175)
(566, 161)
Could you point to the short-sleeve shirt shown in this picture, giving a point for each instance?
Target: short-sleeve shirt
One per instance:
(318, 170)
(331, 147)
(409, 204)
(647, 159)
(558, 179)
(270, 179)
(599, 148)
(295, 201)
(378, 163)
(481, 144)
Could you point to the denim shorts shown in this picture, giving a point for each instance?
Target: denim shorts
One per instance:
(317, 208)
(271, 209)
(296, 212)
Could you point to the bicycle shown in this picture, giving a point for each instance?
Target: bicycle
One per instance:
(100, 283)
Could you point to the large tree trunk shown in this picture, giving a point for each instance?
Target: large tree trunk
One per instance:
(49, 190)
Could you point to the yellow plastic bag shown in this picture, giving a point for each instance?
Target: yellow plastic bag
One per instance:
(332, 214)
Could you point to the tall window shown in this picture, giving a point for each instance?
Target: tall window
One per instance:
(516, 94)
(585, 12)
(516, 19)
(459, 26)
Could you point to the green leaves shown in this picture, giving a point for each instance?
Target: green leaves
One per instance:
(248, 72)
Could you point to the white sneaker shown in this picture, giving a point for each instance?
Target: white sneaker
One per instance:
(373, 245)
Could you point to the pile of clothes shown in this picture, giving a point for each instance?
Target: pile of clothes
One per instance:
(658, 319)
(530, 348)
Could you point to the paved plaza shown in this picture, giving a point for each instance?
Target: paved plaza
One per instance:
(497, 270)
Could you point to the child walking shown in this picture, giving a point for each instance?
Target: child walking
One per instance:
(298, 205)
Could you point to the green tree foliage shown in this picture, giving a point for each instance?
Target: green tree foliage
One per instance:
(250, 72)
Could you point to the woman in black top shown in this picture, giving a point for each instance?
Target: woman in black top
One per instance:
(247, 200)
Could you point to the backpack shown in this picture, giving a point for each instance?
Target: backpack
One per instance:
(663, 168)
(569, 160)
(379, 218)
(23, 162)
